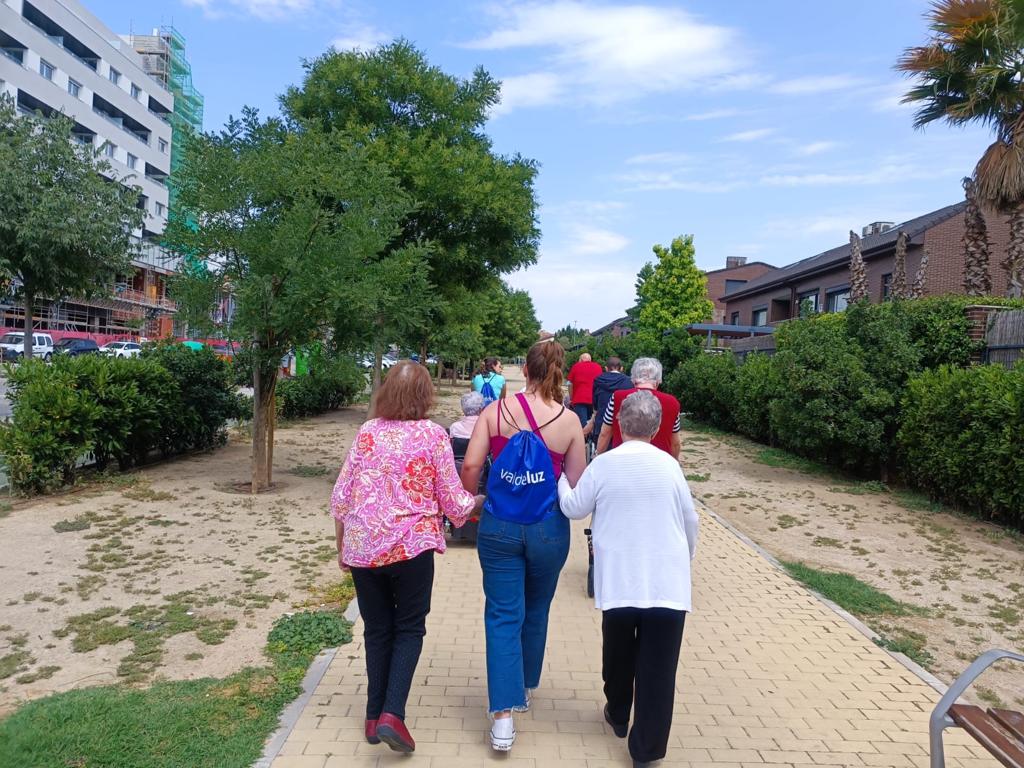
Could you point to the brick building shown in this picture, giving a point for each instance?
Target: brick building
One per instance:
(735, 275)
(824, 280)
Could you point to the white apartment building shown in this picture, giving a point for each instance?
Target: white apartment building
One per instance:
(55, 56)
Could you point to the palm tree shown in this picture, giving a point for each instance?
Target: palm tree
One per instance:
(858, 270)
(971, 72)
(899, 269)
(977, 280)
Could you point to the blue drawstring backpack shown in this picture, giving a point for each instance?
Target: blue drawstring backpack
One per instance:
(488, 391)
(521, 487)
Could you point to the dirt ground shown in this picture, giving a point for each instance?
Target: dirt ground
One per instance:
(966, 574)
(169, 573)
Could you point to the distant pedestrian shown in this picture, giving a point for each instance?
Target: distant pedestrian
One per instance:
(581, 380)
(645, 535)
(490, 382)
(646, 374)
(523, 540)
(396, 486)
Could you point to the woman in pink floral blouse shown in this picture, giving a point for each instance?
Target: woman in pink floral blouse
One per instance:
(397, 484)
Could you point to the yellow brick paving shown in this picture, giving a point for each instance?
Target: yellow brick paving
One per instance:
(768, 675)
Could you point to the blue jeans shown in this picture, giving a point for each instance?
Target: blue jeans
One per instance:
(520, 564)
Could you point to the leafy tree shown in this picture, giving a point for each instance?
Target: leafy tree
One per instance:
(633, 313)
(676, 292)
(289, 220)
(475, 209)
(509, 325)
(65, 229)
(969, 72)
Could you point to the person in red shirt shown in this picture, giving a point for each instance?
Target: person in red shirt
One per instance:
(646, 374)
(581, 377)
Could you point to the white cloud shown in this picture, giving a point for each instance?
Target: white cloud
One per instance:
(571, 293)
(602, 54)
(657, 181)
(714, 114)
(882, 173)
(816, 148)
(802, 86)
(268, 10)
(751, 135)
(364, 37)
(534, 90)
(593, 241)
(660, 158)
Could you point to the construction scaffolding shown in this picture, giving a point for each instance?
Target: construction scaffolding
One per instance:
(163, 58)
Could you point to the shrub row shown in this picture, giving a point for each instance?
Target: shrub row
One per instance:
(330, 385)
(880, 390)
(170, 400)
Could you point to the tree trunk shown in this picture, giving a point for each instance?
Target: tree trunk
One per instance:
(1014, 263)
(26, 349)
(423, 352)
(263, 417)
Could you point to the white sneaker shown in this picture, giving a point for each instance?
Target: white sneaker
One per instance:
(503, 734)
(524, 707)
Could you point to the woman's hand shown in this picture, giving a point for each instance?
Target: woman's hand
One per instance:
(479, 500)
(341, 564)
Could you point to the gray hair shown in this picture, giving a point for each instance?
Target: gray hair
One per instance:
(472, 403)
(646, 369)
(640, 415)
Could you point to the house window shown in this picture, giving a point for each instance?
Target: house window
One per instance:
(837, 300)
(160, 208)
(136, 91)
(887, 286)
(734, 285)
(759, 316)
(808, 303)
(46, 69)
(109, 149)
(163, 146)
(734, 319)
(74, 87)
(132, 160)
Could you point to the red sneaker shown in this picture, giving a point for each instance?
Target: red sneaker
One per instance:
(392, 731)
(371, 732)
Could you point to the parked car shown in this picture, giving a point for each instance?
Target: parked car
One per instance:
(12, 345)
(121, 349)
(223, 349)
(75, 347)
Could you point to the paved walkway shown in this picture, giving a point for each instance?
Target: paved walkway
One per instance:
(768, 675)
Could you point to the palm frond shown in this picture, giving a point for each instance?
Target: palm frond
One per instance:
(1000, 175)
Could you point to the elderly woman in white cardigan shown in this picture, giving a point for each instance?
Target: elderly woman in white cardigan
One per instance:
(645, 534)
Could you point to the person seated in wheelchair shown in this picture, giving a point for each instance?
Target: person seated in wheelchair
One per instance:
(472, 404)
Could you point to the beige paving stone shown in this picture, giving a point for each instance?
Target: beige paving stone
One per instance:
(768, 676)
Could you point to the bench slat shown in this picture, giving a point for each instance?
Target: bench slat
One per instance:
(1011, 721)
(986, 730)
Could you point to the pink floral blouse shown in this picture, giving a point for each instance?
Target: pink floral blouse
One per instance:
(398, 480)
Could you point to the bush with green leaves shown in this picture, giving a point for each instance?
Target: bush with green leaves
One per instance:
(331, 384)
(172, 399)
(961, 438)
(705, 387)
(306, 633)
(757, 384)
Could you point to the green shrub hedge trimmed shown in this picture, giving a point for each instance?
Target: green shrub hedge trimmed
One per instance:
(705, 388)
(330, 385)
(172, 399)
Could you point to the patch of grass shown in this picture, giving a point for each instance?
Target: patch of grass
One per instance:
(910, 644)
(696, 426)
(336, 595)
(80, 523)
(143, 492)
(309, 470)
(43, 673)
(861, 488)
(1005, 614)
(196, 723)
(827, 541)
(193, 656)
(846, 591)
(915, 502)
(776, 457)
(697, 478)
(788, 521)
(13, 663)
(5, 509)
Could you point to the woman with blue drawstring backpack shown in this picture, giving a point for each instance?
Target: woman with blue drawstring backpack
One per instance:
(490, 382)
(523, 538)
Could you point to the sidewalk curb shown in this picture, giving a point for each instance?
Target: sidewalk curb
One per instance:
(912, 666)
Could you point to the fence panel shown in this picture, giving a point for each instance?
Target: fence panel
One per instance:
(1005, 338)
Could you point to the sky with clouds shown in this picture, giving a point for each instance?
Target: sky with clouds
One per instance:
(765, 129)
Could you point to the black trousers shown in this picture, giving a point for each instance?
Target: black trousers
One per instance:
(394, 601)
(641, 653)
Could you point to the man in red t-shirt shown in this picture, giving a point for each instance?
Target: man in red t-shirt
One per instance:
(581, 377)
(646, 374)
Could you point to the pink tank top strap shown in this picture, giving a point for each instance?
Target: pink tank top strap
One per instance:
(529, 414)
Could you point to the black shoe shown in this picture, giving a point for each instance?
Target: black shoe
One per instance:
(619, 729)
(638, 764)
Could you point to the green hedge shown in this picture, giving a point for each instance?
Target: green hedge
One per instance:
(330, 385)
(962, 438)
(172, 399)
(880, 390)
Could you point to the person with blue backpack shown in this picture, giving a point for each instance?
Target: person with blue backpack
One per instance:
(489, 382)
(523, 538)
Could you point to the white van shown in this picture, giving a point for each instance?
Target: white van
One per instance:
(12, 345)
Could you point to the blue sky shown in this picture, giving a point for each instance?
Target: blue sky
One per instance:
(765, 129)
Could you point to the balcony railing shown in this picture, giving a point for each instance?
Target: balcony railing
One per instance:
(119, 122)
(141, 297)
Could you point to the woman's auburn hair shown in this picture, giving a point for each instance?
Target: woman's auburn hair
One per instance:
(544, 364)
(406, 394)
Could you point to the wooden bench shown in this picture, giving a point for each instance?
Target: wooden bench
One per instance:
(1000, 731)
